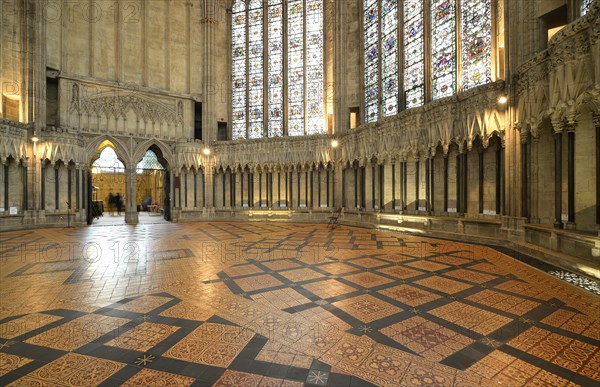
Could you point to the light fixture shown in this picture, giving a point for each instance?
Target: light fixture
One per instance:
(502, 99)
(35, 139)
(334, 143)
(206, 151)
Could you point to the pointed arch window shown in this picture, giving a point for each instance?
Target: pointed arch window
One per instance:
(277, 67)
(108, 161)
(446, 47)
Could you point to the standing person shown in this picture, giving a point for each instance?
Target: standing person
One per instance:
(118, 203)
(111, 202)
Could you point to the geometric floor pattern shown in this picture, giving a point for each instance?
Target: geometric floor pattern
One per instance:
(260, 303)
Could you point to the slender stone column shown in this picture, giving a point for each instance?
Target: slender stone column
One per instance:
(499, 179)
(459, 177)
(131, 214)
(571, 175)
(597, 125)
(446, 183)
(524, 175)
(558, 180)
(417, 172)
(481, 179)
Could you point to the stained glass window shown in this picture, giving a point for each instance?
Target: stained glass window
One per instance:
(476, 43)
(108, 161)
(443, 48)
(585, 6)
(295, 77)
(255, 69)
(300, 57)
(149, 162)
(414, 58)
(238, 71)
(470, 35)
(314, 67)
(371, 73)
(389, 57)
(275, 97)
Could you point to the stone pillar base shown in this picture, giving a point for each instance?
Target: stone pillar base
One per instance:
(131, 217)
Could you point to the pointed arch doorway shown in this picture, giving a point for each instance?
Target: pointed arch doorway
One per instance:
(106, 186)
(153, 184)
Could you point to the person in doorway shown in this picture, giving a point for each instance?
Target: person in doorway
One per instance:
(118, 203)
(111, 202)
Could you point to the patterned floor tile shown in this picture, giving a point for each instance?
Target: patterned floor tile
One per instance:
(258, 282)
(72, 370)
(328, 288)
(566, 352)
(524, 289)
(244, 379)
(470, 317)
(144, 304)
(143, 337)
(9, 363)
(367, 308)
(150, 377)
(508, 370)
(502, 301)
(211, 344)
(281, 264)
(427, 265)
(241, 270)
(189, 311)
(299, 275)
(369, 262)
(409, 295)
(470, 275)
(368, 279)
(25, 324)
(76, 333)
(278, 353)
(400, 272)
(337, 268)
(426, 338)
(281, 298)
(420, 271)
(443, 284)
(574, 322)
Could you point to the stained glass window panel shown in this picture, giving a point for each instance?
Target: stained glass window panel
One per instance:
(389, 57)
(108, 161)
(295, 46)
(585, 6)
(443, 48)
(314, 67)
(255, 72)
(414, 58)
(371, 53)
(476, 43)
(275, 97)
(238, 75)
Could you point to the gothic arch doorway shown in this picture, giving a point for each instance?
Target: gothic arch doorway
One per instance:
(153, 185)
(106, 185)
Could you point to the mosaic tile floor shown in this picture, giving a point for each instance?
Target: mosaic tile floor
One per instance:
(247, 304)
